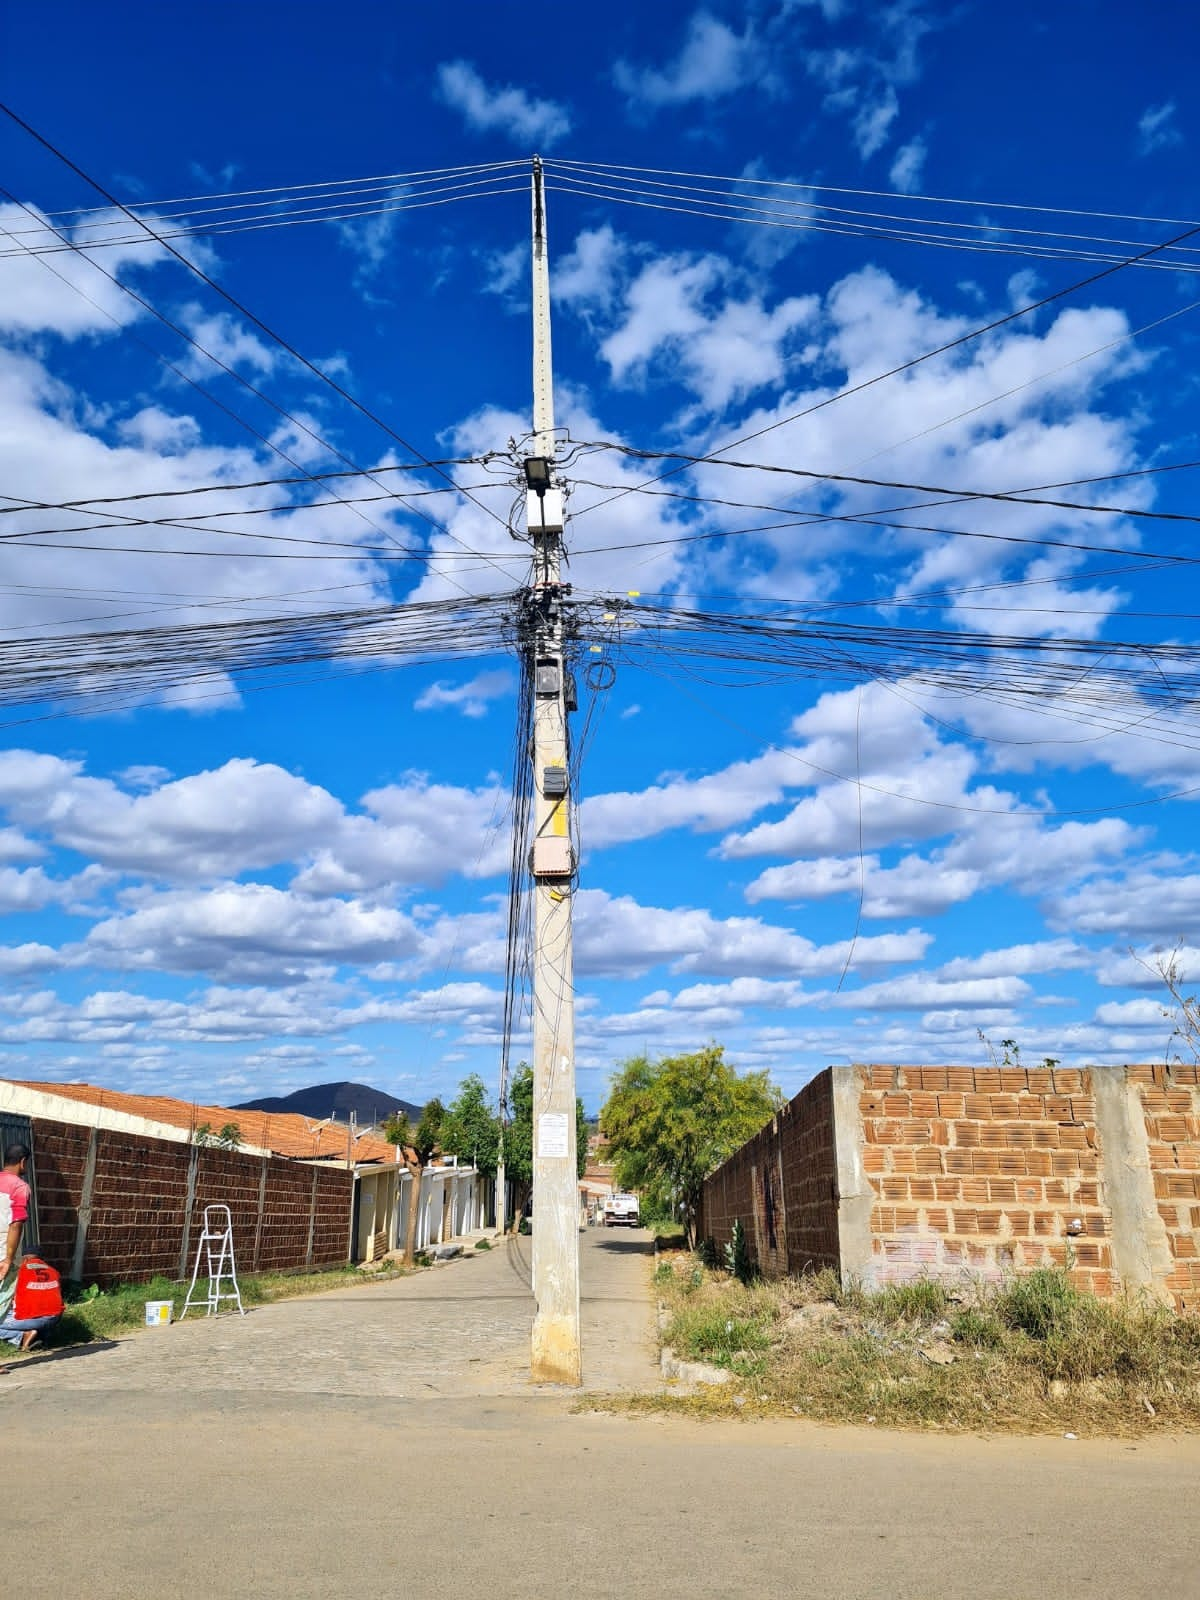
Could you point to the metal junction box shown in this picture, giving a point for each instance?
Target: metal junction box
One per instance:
(547, 677)
(554, 782)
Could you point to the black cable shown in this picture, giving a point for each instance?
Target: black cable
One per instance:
(954, 494)
(245, 382)
(85, 502)
(915, 361)
(232, 300)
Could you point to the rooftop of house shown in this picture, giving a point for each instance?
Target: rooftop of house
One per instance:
(284, 1133)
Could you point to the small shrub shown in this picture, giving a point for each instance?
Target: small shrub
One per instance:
(979, 1327)
(711, 1333)
(1038, 1303)
(483, 1244)
(738, 1261)
(922, 1300)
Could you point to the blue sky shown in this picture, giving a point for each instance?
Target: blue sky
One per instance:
(241, 886)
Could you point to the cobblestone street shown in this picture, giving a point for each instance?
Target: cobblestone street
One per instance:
(457, 1329)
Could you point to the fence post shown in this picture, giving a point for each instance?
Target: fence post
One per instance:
(312, 1220)
(258, 1226)
(85, 1206)
(189, 1203)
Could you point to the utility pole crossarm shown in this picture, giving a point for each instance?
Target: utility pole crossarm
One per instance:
(555, 1356)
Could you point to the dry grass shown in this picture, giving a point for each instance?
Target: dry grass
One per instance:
(1033, 1355)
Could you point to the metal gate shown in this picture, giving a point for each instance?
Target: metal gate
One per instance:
(19, 1130)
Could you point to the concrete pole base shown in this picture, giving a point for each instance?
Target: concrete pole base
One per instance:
(555, 1351)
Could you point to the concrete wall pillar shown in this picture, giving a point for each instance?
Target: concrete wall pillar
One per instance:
(855, 1197)
(1141, 1253)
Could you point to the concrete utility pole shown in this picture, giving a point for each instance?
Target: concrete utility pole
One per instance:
(555, 1352)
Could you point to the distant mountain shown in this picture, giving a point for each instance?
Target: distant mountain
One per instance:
(335, 1100)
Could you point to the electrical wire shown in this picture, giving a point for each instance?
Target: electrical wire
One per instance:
(337, 211)
(241, 308)
(913, 361)
(878, 194)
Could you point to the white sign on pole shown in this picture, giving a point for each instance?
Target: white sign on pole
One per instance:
(552, 1130)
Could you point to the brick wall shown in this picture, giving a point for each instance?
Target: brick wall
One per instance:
(139, 1204)
(782, 1186)
(981, 1169)
(1170, 1103)
(894, 1172)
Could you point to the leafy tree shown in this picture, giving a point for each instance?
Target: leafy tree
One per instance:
(671, 1122)
(417, 1146)
(471, 1129)
(518, 1139)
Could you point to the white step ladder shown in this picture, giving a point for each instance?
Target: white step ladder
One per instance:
(215, 1251)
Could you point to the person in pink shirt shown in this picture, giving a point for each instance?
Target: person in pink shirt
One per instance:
(14, 1213)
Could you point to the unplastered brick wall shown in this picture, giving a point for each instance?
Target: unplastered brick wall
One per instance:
(1170, 1101)
(782, 1187)
(114, 1207)
(895, 1172)
(984, 1169)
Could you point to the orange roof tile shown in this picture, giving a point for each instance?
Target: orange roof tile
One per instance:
(284, 1133)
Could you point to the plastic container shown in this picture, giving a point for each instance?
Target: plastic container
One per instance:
(159, 1313)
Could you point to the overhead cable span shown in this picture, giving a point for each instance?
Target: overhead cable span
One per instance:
(93, 671)
(745, 648)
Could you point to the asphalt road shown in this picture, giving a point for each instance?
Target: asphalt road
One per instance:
(139, 1477)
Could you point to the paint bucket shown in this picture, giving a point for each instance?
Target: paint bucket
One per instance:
(159, 1313)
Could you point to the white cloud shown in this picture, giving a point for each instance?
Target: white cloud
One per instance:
(918, 991)
(229, 340)
(508, 110)
(1157, 128)
(873, 121)
(679, 314)
(1134, 1014)
(702, 804)
(470, 698)
(248, 815)
(712, 63)
(371, 239)
(617, 936)
(247, 933)
(1143, 903)
(244, 814)
(908, 166)
(76, 298)
(588, 276)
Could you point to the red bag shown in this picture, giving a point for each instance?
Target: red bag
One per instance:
(39, 1291)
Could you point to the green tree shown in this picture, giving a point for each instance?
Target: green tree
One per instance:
(471, 1129)
(518, 1139)
(671, 1122)
(417, 1146)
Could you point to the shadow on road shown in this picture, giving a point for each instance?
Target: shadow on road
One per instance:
(626, 1246)
(17, 1363)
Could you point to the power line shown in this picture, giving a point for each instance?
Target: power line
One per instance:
(224, 487)
(245, 382)
(731, 212)
(238, 305)
(377, 179)
(913, 361)
(954, 494)
(268, 223)
(886, 194)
